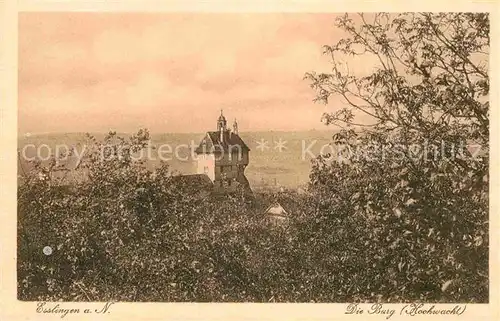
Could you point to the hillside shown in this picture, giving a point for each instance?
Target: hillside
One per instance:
(269, 166)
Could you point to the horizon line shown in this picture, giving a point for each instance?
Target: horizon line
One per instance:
(27, 133)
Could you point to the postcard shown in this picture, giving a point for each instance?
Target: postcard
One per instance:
(249, 162)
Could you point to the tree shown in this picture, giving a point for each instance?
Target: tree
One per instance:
(409, 178)
(431, 77)
(126, 233)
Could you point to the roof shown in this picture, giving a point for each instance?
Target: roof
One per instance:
(211, 143)
(243, 180)
(276, 210)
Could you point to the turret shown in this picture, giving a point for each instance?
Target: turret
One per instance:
(235, 127)
(221, 126)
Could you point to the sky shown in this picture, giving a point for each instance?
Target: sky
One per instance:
(95, 72)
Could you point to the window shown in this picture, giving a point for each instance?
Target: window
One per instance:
(205, 170)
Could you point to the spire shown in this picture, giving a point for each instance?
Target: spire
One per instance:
(235, 127)
(221, 122)
(221, 126)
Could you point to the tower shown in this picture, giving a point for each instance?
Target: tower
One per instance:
(223, 157)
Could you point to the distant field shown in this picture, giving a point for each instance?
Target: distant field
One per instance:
(269, 167)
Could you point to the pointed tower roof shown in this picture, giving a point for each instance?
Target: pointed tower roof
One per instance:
(221, 140)
(221, 117)
(276, 209)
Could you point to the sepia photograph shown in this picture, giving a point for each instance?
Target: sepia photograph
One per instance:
(256, 157)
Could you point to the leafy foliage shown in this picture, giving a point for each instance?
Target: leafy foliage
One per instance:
(415, 219)
(126, 233)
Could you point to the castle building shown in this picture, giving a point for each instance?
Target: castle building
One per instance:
(223, 156)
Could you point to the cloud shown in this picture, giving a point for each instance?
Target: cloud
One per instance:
(155, 69)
